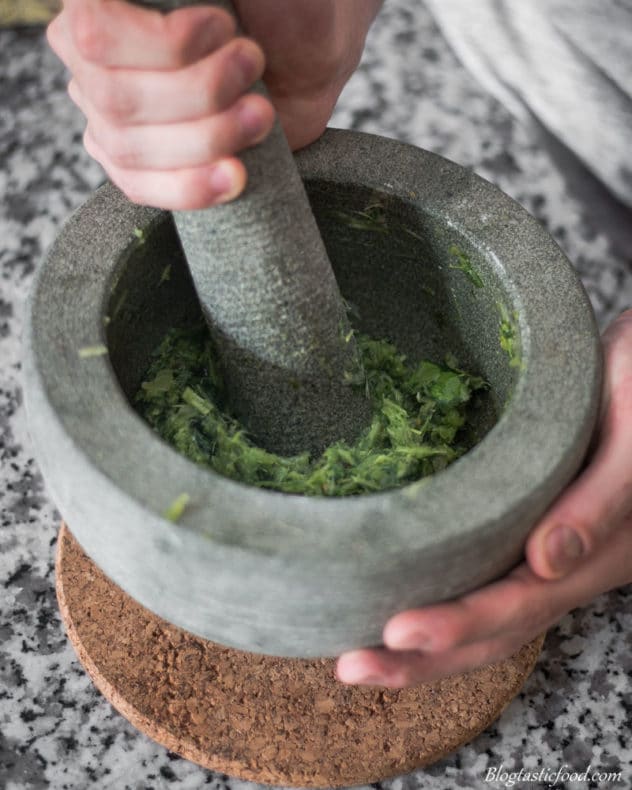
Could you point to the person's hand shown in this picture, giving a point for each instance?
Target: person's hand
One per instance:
(165, 96)
(581, 548)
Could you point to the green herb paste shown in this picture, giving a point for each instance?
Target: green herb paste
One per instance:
(419, 413)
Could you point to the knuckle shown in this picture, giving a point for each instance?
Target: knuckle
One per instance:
(532, 620)
(120, 150)
(448, 631)
(87, 35)
(536, 617)
(112, 100)
(518, 609)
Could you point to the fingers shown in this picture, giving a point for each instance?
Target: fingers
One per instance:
(180, 145)
(582, 548)
(176, 190)
(487, 625)
(383, 667)
(110, 33)
(519, 603)
(133, 96)
(595, 504)
(165, 98)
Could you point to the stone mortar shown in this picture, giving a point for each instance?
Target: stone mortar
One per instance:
(297, 576)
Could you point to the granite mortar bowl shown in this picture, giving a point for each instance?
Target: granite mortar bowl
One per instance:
(299, 576)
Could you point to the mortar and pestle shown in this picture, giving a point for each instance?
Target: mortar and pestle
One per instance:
(215, 635)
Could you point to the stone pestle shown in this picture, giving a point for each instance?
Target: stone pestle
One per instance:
(272, 304)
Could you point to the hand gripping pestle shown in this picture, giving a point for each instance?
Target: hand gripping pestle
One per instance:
(272, 304)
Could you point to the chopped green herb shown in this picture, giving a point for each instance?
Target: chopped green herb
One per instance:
(413, 234)
(166, 274)
(352, 310)
(419, 411)
(509, 336)
(376, 219)
(120, 304)
(176, 509)
(372, 218)
(465, 266)
(92, 351)
(140, 235)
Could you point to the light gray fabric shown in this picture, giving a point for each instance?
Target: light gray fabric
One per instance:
(565, 64)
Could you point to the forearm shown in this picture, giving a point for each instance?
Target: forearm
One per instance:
(311, 48)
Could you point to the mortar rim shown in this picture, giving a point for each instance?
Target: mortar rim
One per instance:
(335, 544)
(306, 159)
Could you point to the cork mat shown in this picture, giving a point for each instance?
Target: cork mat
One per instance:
(270, 720)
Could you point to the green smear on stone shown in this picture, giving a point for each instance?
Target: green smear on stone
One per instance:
(464, 264)
(372, 218)
(87, 352)
(176, 509)
(509, 336)
(420, 417)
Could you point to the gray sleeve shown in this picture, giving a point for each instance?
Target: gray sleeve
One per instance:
(566, 64)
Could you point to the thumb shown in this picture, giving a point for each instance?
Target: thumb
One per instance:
(595, 504)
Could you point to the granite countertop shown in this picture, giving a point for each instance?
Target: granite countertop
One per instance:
(56, 731)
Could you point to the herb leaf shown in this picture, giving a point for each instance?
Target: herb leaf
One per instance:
(419, 411)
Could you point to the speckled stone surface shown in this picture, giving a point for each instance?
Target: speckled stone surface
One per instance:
(55, 729)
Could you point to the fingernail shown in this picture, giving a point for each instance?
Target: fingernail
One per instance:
(564, 549)
(247, 64)
(252, 122)
(221, 181)
(411, 640)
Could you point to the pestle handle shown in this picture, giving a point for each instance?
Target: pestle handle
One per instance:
(271, 301)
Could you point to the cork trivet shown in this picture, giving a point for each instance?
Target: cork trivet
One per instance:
(270, 720)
